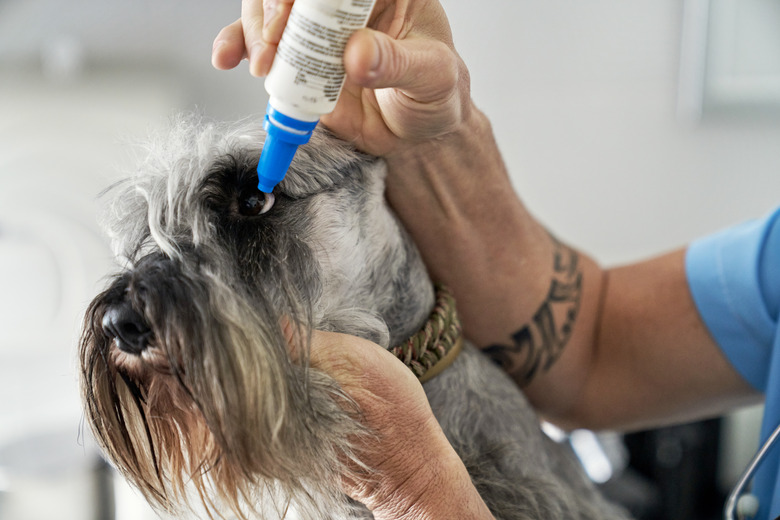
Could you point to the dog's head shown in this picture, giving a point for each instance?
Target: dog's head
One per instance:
(187, 377)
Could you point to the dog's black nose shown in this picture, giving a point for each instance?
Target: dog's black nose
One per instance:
(128, 327)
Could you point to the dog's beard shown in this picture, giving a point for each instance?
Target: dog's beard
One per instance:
(214, 408)
(214, 403)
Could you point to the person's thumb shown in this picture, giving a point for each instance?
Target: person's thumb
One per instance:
(425, 70)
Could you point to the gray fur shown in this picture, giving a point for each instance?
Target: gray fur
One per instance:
(217, 404)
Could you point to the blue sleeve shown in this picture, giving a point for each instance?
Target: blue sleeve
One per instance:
(734, 277)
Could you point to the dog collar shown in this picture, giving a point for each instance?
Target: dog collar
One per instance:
(436, 345)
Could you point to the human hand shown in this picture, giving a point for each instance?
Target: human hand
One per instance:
(419, 473)
(405, 83)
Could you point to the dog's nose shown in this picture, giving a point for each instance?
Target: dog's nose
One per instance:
(128, 327)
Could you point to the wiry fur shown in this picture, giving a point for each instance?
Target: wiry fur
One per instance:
(216, 409)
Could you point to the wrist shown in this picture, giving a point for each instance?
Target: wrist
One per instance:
(473, 134)
(456, 199)
(452, 187)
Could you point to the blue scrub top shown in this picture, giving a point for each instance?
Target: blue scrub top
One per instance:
(734, 277)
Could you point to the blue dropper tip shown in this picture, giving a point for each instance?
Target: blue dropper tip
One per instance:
(283, 137)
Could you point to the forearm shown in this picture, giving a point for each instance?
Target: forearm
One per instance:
(456, 199)
(523, 296)
(621, 348)
(653, 362)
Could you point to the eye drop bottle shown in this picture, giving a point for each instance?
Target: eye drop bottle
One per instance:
(306, 78)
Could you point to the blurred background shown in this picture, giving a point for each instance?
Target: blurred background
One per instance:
(629, 129)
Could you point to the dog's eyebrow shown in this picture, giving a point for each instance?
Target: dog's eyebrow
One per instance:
(225, 176)
(235, 166)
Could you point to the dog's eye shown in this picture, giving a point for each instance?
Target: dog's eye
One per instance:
(255, 202)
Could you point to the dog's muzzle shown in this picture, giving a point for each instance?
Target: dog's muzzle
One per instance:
(127, 327)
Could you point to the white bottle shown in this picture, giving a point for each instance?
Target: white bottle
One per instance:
(306, 78)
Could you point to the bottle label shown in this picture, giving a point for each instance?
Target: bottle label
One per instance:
(308, 70)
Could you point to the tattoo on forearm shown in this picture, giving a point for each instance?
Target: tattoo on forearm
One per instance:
(538, 344)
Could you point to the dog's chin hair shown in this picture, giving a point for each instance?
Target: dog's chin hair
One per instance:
(188, 435)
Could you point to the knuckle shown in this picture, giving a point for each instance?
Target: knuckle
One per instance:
(447, 67)
(253, 28)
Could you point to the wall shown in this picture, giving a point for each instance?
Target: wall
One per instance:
(582, 96)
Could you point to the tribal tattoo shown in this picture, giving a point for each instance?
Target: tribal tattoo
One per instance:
(538, 344)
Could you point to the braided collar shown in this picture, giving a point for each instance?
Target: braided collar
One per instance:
(436, 345)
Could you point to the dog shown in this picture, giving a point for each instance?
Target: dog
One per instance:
(187, 379)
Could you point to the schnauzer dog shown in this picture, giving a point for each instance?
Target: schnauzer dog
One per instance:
(187, 378)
